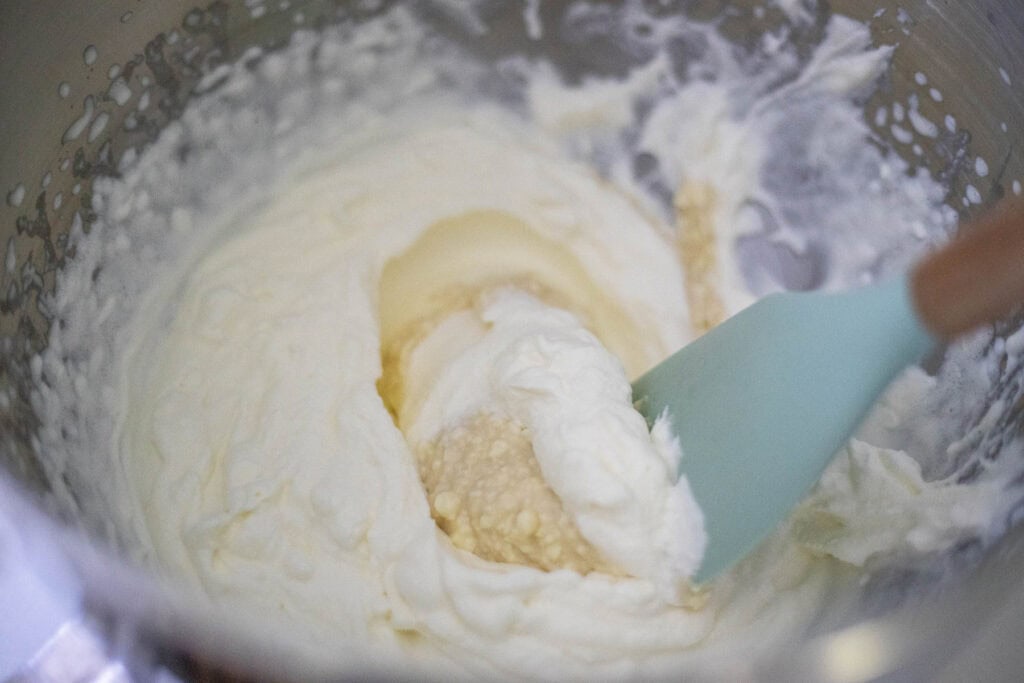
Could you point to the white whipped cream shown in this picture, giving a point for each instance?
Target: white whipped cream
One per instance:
(520, 358)
(255, 438)
(230, 305)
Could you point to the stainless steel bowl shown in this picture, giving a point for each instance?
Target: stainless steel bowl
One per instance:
(61, 64)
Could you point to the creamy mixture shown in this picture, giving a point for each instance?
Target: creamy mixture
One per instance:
(368, 347)
(511, 416)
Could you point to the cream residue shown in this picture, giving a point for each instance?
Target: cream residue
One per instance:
(250, 312)
(872, 500)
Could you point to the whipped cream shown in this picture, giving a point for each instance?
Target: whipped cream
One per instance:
(372, 257)
(255, 435)
(537, 366)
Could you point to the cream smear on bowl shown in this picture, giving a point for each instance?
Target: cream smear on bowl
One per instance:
(348, 348)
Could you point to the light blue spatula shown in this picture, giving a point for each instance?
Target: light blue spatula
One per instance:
(763, 402)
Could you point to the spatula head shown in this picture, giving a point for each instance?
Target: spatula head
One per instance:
(761, 403)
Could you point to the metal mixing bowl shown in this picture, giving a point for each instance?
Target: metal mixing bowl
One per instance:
(61, 64)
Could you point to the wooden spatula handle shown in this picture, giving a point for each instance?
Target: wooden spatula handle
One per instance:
(977, 278)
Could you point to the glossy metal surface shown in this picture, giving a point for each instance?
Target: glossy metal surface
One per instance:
(964, 47)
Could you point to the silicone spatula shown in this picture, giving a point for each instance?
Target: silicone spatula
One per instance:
(762, 402)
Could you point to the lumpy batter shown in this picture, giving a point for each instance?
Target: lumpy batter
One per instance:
(369, 347)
